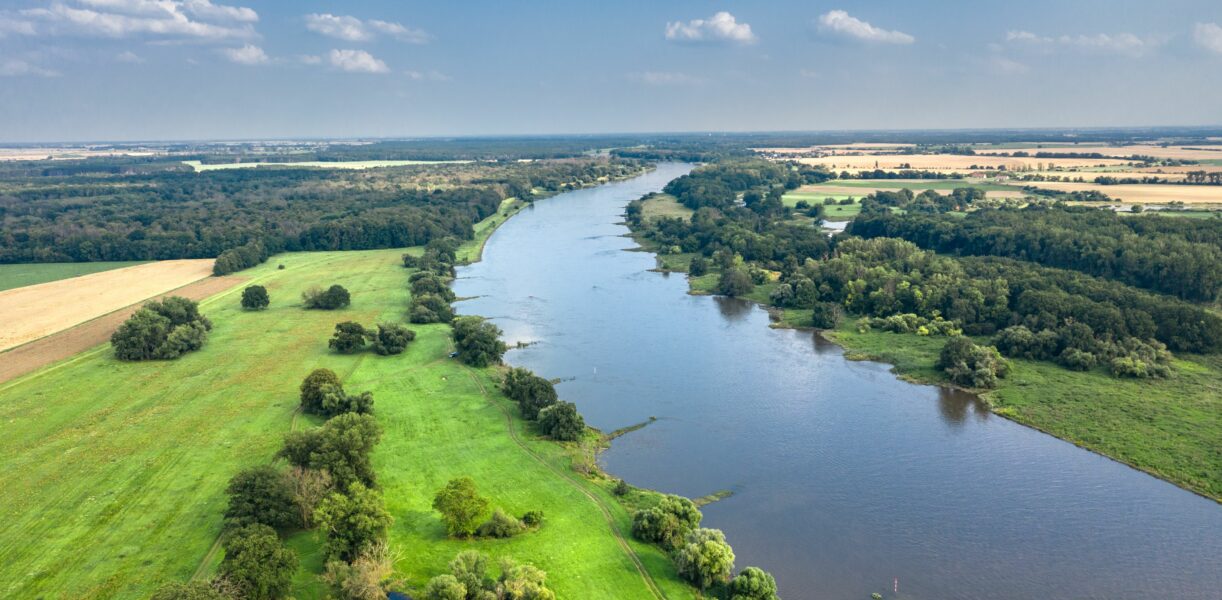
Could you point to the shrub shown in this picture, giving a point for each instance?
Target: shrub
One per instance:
(410, 261)
(621, 488)
(163, 330)
(699, 266)
(261, 495)
(461, 506)
(332, 298)
(312, 389)
(349, 337)
(444, 587)
(531, 392)
(705, 558)
(826, 315)
(430, 308)
(500, 525)
(478, 341)
(1077, 360)
(257, 563)
(532, 518)
(254, 297)
(735, 282)
(392, 338)
(561, 421)
(354, 522)
(753, 583)
(972, 365)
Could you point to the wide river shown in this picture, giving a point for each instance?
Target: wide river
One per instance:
(846, 480)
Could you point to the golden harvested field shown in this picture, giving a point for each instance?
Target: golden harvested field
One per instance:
(1145, 193)
(36, 311)
(64, 153)
(836, 148)
(952, 162)
(860, 191)
(1178, 152)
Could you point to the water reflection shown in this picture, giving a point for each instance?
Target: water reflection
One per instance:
(955, 406)
(733, 309)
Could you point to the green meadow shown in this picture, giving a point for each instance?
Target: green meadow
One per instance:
(15, 276)
(112, 474)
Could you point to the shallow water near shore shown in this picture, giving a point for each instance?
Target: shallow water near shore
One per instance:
(845, 478)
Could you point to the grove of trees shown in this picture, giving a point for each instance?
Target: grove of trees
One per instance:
(161, 330)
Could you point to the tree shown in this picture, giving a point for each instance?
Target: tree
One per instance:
(332, 298)
(705, 558)
(349, 337)
(735, 282)
(312, 389)
(698, 266)
(531, 392)
(341, 447)
(392, 338)
(522, 582)
(254, 297)
(335, 401)
(461, 506)
(364, 578)
(668, 522)
(430, 283)
(162, 330)
(753, 583)
(354, 521)
(470, 568)
(478, 341)
(972, 365)
(444, 587)
(261, 495)
(310, 487)
(561, 421)
(826, 315)
(194, 590)
(430, 308)
(258, 563)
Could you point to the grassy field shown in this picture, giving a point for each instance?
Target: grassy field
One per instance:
(664, 205)
(315, 164)
(112, 474)
(15, 276)
(1169, 428)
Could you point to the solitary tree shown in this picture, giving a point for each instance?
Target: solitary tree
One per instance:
(254, 297)
(461, 506)
(705, 558)
(258, 563)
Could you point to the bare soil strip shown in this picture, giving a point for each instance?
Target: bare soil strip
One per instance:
(58, 346)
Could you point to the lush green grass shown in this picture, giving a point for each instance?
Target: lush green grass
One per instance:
(664, 205)
(113, 473)
(833, 212)
(1186, 214)
(15, 276)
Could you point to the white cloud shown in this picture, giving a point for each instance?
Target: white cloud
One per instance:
(427, 76)
(246, 55)
(1126, 44)
(310, 59)
(128, 56)
(1208, 36)
(1009, 66)
(352, 29)
(721, 27)
(808, 73)
(357, 61)
(842, 23)
(9, 24)
(13, 67)
(193, 19)
(665, 78)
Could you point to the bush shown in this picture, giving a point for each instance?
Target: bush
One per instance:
(461, 506)
(354, 523)
(332, 298)
(531, 392)
(349, 337)
(1077, 360)
(392, 338)
(532, 518)
(258, 564)
(364, 578)
(261, 495)
(699, 266)
(254, 297)
(478, 341)
(430, 308)
(705, 558)
(621, 488)
(561, 421)
(826, 315)
(162, 330)
(666, 523)
(972, 365)
(444, 587)
(735, 282)
(313, 389)
(410, 262)
(500, 525)
(195, 590)
(753, 583)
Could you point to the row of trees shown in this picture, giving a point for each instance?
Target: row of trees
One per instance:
(389, 338)
(243, 257)
(537, 400)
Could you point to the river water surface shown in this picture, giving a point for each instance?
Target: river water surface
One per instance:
(846, 480)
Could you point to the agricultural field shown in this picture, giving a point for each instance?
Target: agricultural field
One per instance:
(21, 275)
(358, 165)
(951, 163)
(1145, 193)
(36, 311)
(1188, 152)
(128, 487)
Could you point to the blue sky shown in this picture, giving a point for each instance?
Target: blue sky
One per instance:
(200, 69)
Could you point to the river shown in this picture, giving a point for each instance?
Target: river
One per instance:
(846, 479)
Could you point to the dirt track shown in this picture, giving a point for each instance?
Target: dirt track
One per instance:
(64, 344)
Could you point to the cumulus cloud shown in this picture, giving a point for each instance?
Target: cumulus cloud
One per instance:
(352, 29)
(1126, 44)
(1208, 36)
(13, 67)
(665, 78)
(721, 27)
(246, 55)
(189, 19)
(842, 23)
(356, 61)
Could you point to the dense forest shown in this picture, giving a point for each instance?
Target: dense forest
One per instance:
(170, 214)
(1066, 295)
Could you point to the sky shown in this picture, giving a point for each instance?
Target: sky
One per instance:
(93, 70)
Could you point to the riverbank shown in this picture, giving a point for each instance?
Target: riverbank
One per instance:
(1168, 428)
